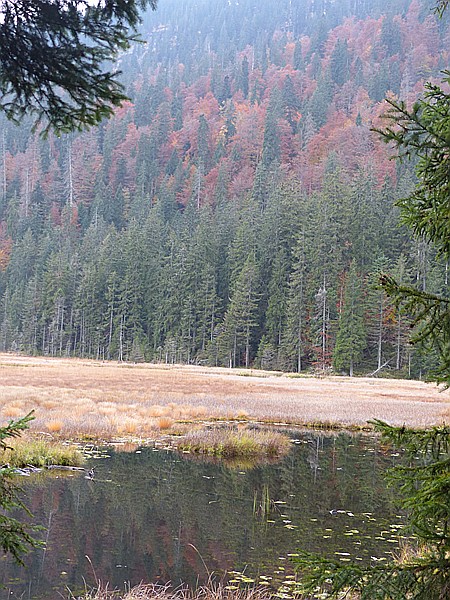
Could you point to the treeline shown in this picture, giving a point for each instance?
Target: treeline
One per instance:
(292, 284)
(240, 209)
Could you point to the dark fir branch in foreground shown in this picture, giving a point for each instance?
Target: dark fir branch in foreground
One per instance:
(423, 132)
(15, 537)
(53, 55)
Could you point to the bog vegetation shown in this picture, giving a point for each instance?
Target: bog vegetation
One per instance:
(76, 399)
(232, 443)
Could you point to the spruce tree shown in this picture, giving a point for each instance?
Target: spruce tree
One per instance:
(351, 335)
(240, 318)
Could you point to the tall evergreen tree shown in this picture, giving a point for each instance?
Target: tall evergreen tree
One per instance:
(351, 334)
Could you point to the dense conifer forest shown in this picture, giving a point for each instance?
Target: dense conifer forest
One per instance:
(239, 209)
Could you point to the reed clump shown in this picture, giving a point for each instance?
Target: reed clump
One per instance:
(233, 443)
(40, 453)
(156, 592)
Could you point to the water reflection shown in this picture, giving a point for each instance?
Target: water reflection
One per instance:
(158, 516)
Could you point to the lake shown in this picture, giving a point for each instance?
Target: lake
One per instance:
(153, 515)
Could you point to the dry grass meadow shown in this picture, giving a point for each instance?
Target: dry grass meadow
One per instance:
(73, 397)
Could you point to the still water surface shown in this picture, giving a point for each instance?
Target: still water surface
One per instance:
(154, 515)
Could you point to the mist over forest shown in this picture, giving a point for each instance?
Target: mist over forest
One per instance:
(239, 209)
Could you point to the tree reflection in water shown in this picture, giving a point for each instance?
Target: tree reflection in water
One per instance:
(160, 516)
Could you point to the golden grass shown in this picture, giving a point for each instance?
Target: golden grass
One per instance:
(165, 422)
(82, 398)
(235, 443)
(157, 592)
(54, 426)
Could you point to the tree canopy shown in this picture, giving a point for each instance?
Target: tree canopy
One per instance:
(54, 57)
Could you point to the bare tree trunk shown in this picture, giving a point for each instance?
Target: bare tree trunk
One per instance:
(122, 319)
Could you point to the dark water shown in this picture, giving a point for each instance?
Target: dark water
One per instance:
(153, 515)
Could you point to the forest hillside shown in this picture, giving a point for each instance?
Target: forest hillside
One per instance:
(239, 209)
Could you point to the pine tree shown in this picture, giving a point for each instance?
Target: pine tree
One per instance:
(340, 63)
(351, 335)
(235, 339)
(294, 338)
(244, 79)
(380, 316)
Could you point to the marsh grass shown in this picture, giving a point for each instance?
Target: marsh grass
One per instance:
(40, 453)
(211, 591)
(75, 398)
(235, 443)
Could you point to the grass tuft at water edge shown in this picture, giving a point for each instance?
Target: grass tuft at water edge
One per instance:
(232, 443)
